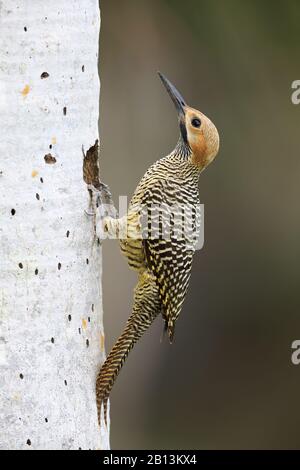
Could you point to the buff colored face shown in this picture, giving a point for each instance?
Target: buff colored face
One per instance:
(202, 136)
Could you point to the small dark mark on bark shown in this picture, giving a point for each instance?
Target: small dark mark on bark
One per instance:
(82, 68)
(50, 146)
(52, 340)
(44, 75)
(28, 442)
(87, 261)
(59, 266)
(66, 383)
(65, 110)
(69, 317)
(92, 307)
(79, 331)
(89, 319)
(46, 420)
(25, 29)
(98, 242)
(20, 265)
(68, 233)
(87, 343)
(36, 271)
(37, 196)
(21, 376)
(13, 211)
(41, 180)
(49, 159)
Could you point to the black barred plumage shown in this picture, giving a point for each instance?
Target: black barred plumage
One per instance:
(161, 231)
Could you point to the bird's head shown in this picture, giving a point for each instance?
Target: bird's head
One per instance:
(198, 133)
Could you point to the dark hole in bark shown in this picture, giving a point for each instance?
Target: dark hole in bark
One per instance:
(66, 383)
(25, 29)
(46, 419)
(87, 343)
(45, 75)
(37, 196)
(87, 261)
(93, 307)
(89, 319)
(13, 211)
(52, 340)
(91, 166)
(65, 110)
(36, 271)
(69, 317)
(68, 233)
(59, 266)
(79, 331)
(82, 68)
(20, 265)
(21, 376)
(41, 180)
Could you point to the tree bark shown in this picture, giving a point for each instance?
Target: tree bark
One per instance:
(51, 331)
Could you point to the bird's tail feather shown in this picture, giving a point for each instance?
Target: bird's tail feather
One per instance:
(145, 310)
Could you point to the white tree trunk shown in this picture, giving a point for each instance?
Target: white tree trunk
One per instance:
(51, 332)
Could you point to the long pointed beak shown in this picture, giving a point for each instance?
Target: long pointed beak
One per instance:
(177, 99)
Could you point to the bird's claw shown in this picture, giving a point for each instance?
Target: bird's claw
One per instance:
(100, 198)
(89, 213)
(105, 192)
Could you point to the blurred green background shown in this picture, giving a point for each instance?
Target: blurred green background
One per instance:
(227, 381)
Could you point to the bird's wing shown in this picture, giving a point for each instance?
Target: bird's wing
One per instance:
(169, 253)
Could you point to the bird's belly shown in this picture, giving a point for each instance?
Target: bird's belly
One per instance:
(133, 250)
(132, 244)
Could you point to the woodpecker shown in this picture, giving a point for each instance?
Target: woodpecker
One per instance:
(169, 193)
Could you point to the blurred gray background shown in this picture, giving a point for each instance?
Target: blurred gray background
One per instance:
(227, 381)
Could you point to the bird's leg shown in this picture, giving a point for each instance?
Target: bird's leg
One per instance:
(107, 208)
(109, 225)
(106, 197)
(108, 222)
(99, 198)
(92, 200)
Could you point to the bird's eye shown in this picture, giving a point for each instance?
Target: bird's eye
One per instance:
(196, 122)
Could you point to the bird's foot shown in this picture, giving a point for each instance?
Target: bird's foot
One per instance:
(89, 213)
(106, 202)
(105, 192)
(93, 201)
